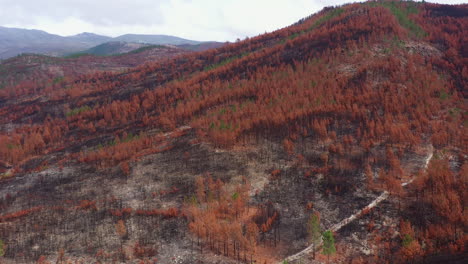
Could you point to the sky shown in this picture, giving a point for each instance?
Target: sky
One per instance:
(217, 20)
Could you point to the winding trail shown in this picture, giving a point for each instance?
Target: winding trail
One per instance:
(338, 226)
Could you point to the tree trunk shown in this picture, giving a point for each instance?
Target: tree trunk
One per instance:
(313, 250)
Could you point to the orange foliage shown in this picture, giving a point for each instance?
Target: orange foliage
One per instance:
(167, 213)
(18, 214)
(87, 205)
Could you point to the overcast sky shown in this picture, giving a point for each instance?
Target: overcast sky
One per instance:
(220, 20)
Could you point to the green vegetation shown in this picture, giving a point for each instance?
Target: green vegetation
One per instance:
(78, 110)
(143, 49)
(314, 231)
(58, 79)
(131, 137)
(332, 14)
(328, 244)
(407, 239)
(293, 36)
(224, 126)
(102, 50)
(225, 62)
(454, 112)
(106, 50)
(233, 108)
(443, 95)
(402, 11)
(396, 42)
(2, 248)
(11, 146)
(114, 142)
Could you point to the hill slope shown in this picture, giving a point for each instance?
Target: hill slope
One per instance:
(222, 156)
(29, 70)
(113, 48)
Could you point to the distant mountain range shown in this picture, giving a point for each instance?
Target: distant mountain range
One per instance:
(114, 47)
(14, 41)
(155, 39)
(90, 38)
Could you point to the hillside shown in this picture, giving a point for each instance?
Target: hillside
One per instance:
(118, 48)
(27, 71)
(155, 39)
(202, 46)
(113, 48)
(351, 120)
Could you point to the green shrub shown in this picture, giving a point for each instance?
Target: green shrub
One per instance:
(402, 14)
(2, 248)
(78, 110)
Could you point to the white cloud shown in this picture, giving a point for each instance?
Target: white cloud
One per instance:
(219, 20)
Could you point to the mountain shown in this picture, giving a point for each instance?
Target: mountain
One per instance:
(155, 39)
(114, 47)
(339, 139)
(15, 41)
(10, 36)
(90, 38)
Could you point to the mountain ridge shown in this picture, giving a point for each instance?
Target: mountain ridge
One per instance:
(90, 38)
(14, 41)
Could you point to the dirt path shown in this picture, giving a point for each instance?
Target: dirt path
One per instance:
(338, 226)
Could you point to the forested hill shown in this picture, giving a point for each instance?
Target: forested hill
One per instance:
(318, 117)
